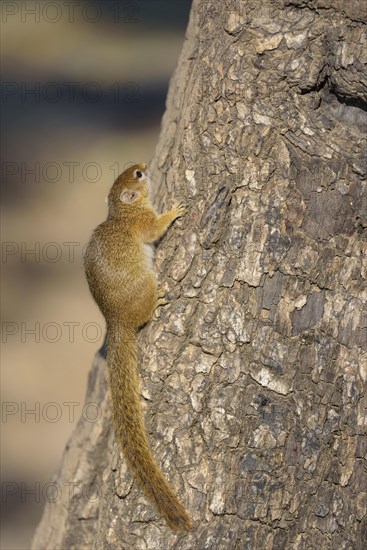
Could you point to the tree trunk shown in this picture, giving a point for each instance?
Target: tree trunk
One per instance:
(254, 374)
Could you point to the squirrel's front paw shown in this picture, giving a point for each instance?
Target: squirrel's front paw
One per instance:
(180, 209)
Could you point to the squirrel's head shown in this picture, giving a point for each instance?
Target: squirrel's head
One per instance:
(129, 188)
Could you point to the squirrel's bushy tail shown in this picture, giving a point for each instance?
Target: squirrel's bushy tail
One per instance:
(130, 428)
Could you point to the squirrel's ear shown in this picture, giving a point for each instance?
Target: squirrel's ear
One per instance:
(129, 196)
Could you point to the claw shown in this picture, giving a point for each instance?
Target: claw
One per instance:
(180, 208)
(161, 302)
(161, 297)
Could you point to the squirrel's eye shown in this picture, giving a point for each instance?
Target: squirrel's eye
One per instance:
(138, 174)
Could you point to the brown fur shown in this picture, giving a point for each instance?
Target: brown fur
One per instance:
(125, 289)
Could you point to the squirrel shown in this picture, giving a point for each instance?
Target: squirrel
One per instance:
(118, 265)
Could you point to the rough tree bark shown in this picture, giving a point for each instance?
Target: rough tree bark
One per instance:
(254, 374)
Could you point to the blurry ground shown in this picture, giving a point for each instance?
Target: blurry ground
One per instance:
(119, 68)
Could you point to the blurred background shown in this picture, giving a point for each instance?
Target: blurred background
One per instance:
(83, 92)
